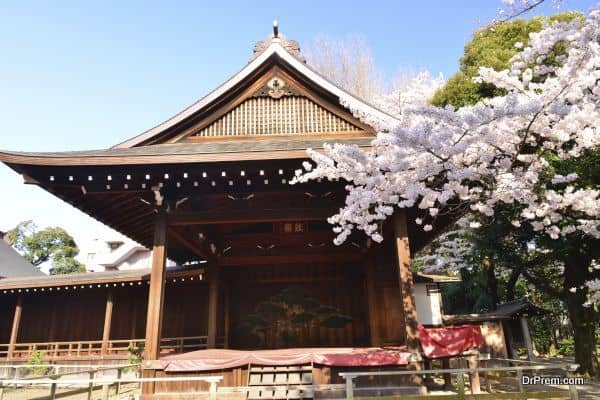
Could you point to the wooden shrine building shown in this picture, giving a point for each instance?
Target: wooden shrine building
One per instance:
(209, 188)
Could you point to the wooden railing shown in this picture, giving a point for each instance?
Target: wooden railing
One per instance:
(94, 348)
(73, 386)
(473, 374)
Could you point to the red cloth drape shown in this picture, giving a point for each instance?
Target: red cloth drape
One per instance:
(204, 360)
(449, 341)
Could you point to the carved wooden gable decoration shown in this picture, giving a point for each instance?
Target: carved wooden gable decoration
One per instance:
(275, 105)
(277, 109)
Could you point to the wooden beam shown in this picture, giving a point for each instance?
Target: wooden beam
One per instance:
(188, 244)
(252, 239)
(213, 303)
(289, 259)
(14, 333)
(374, 310)
(157, 289)
(107, 322)
(405, 278)
(231, 216)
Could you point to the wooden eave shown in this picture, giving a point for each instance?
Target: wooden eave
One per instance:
(181, 153)
(92, 279)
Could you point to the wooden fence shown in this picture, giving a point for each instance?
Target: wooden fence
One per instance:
(93, 348)
(53, 381)
(473, 374)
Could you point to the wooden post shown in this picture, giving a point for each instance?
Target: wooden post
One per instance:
(349, 388)
(212, 391)
(573, 395)
(213, 302)
(156, 294)
(527, 338)
(105, 391)
(512, 351)
(474, 376)
(226, 317)
(107, 322)
(14, 333)
(405, 277)
(460, 385)
(406, 283)
(447, 376)
(90, 389)
(53, 391)
(156, 298)
(372, 304)
(119, 376)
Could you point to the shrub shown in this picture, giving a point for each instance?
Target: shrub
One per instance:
(135, 354)
(38, 364)
(566, 347)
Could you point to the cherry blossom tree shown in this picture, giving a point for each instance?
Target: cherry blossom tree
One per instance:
(483, 157)
(515, 8)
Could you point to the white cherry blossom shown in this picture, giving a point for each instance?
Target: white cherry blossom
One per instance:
(482, 155)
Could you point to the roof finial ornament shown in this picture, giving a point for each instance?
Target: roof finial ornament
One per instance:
(275, 29)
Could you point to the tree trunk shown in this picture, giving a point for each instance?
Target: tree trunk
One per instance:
(583, 319)
(515, 273)
(492, 281)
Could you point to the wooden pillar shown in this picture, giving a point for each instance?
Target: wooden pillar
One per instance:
(107, 322)
(213, 303)
(14, 333)
(406, 282)
(226, 316)
(156, 298)
(156, 294)
(527, 338)
(447, 376)
(411, 324)
(474, 376)
(372, 304)
(510, 343)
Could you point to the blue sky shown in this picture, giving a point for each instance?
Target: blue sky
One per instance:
(84, 75)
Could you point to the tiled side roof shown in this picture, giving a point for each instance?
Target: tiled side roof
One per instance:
(12, 264)
(90, 278)
(191, 151)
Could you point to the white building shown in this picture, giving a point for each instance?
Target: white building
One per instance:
(111, 251)
(428, 297)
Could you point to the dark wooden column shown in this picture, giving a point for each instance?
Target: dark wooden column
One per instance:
(107, 322)
(226, 315)
(14, 333)
(372, 303)
(156, 294)
(213, 303)
(406, 282)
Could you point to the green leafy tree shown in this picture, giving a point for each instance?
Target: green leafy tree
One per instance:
(51, 244)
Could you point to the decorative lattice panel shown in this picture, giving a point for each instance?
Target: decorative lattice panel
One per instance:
(285, 115)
